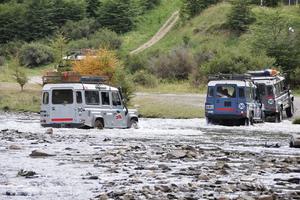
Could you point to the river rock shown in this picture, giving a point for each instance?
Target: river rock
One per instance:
(37, 153)
(176, 154)
(14, 147)
(49, 131)
(266, 197)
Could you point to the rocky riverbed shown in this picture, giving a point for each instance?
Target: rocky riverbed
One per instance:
(163, 159)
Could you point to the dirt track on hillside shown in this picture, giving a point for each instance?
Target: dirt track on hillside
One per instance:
(169, 24)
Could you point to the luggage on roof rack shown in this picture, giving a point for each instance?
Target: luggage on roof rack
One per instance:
(262, 73)
(71, 77)
(229, 77)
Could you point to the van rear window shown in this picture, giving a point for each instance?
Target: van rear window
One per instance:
(226, 92)
(62, 97)
(241, 92)
(270, 91)
(261, 89)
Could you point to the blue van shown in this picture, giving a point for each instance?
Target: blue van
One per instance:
(232, 99)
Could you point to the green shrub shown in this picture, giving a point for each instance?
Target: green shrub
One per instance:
(145, 79)
(74, 30)
(177, 65)
(35, 54)
(237, 60)
(11, 49)
(103, 38)
(135, 63)
(124, 80)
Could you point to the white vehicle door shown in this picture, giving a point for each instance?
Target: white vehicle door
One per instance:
(62, 106)
(118, 109)
(113, 115)
(79, 107)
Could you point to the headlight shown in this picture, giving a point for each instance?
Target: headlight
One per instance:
(209, 107)
(271, 101)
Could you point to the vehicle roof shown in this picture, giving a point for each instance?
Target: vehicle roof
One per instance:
(268, 80)
(79, 86)
(239, 83)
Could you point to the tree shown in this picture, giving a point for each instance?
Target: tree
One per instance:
(102, 63)
(117, 15)
(12, 22)
(38, 19)
(271, 3)
(191, 8)
(240, 16)
(59, 44)
(18, 73)
(273, 33)
(92, 8)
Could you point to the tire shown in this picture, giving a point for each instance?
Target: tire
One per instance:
(134, 124)
(251, 120)
(263, 117)
(279, 116)
(246, 122)
(290, 111)
(99, 124)
(209, 121)
(291, 144)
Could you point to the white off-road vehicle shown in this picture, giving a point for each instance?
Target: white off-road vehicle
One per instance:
(83, 102)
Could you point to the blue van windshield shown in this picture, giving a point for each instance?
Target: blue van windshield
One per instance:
(226, 91)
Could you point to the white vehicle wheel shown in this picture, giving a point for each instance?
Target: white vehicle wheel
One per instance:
(98, 124)
(134, 124)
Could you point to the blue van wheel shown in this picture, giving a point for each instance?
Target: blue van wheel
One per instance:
(209, 121)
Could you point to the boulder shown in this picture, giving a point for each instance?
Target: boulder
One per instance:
(37, 153)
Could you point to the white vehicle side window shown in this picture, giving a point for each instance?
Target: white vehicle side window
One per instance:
(92, 98)
(116, 101)
(105, 98)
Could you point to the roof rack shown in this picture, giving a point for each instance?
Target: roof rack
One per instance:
(72, 77)
(240, 77)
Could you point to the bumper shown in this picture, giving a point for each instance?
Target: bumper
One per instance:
(224, 117)
(64, 125)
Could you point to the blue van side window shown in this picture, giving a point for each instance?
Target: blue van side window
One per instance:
(210, 92)
(241, 92)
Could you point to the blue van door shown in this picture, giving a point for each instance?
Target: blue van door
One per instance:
(226, 99)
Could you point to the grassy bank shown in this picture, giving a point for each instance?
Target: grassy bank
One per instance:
(6, 72)
(166, 107)
(174, 88)
(296, 121)
(12, 99)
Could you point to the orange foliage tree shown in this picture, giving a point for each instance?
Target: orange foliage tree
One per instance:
(102, 63)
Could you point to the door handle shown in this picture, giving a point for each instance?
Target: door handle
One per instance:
(53, 108)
